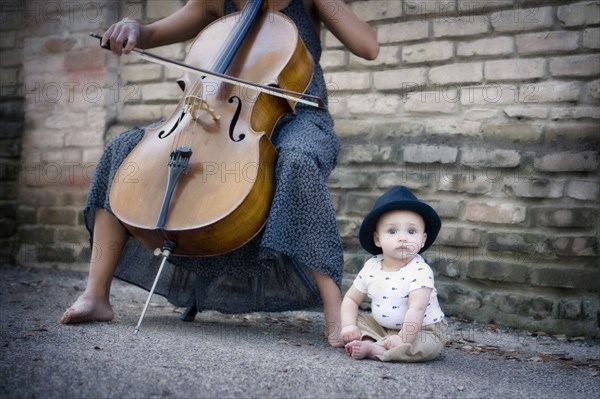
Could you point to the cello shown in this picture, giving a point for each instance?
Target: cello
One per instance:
(203, 180)
(219, 182)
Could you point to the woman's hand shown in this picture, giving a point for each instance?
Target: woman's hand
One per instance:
(182, 25)
(122, 36)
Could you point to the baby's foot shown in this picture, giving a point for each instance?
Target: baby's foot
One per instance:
(87, 308)
(363, 349)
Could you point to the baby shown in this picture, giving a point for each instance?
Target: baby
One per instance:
(407, 323)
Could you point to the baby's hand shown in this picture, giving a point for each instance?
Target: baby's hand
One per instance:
(392, 342)
(350, 333)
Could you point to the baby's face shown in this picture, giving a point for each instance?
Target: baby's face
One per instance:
(400, 235)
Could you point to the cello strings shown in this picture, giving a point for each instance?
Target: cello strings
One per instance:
(218, 63)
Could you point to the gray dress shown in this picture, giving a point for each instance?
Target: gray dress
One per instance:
(271, 272)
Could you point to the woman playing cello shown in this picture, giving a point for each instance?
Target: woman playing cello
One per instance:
(297, 259)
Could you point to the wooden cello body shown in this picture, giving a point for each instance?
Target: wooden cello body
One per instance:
(222, 196)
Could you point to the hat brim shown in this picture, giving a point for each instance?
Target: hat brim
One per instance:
(432, 221)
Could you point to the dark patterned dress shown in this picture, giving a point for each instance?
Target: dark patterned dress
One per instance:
(271, 272)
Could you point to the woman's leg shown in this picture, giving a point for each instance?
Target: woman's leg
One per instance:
(108, 242)
(332, 302)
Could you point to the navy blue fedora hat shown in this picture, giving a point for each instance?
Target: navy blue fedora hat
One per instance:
(398, 198)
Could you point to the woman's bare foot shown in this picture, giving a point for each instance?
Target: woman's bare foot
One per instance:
(332, 333)
(363, 349)
(332, 302)
(88, 308)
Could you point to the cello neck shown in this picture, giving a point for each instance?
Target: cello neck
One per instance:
(237, 35)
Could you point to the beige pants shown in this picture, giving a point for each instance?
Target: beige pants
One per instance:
(427, 345)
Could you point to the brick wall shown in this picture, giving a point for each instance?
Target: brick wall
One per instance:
(67, 86)
(11, 129)
(486, 109)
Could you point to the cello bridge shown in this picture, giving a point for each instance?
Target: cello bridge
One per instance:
(196, 104)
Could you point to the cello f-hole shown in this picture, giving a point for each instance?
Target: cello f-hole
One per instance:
(234, 119)
(162, 134)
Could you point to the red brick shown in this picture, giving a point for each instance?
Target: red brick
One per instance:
(497, 271)
(576, 66)
(586, 161)
(564, 217)
(528, 187)
(575, 246)
(564, 277)
(59, 45)
(459, 237)
(547, 42)
(57, 216)
(505, 213)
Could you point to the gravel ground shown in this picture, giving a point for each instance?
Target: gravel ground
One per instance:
(258, 355)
